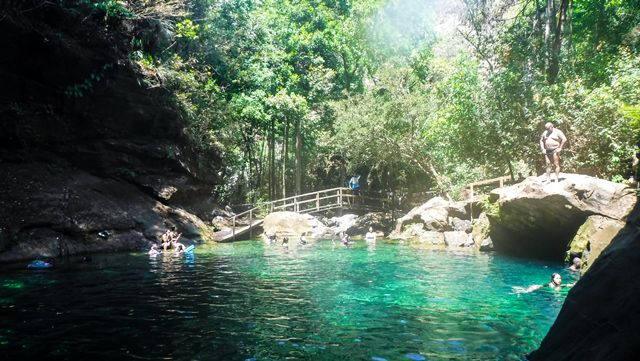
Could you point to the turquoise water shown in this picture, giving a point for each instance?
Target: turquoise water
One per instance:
(249, 301)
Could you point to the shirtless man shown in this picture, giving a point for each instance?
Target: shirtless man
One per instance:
(551, 143)
(169, 237)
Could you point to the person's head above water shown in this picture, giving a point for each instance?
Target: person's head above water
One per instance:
(577, 263)
(556, 279)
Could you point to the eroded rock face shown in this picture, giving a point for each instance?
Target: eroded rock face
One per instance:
(592, 238)
(51, 212)
(539, 219)
(600, 319)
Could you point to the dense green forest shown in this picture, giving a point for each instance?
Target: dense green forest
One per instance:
(412, 94)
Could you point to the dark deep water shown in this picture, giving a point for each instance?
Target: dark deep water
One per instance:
(249, 301)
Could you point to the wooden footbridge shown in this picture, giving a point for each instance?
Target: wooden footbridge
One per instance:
(314, 202)
(334, 198)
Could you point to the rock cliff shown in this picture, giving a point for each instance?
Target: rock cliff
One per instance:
(600, 317)
(538, 219)
(90, 158)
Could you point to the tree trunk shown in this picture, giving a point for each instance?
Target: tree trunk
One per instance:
(556, 46)
(285, 154)
(272, 160)
(298, 156)
(262, 160)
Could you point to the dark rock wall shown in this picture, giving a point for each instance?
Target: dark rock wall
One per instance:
(85, 146)
(543, 228)
(601, 316)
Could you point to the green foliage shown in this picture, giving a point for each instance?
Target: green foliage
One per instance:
(110, 8)
(491, 208)
(85, 87)
(336, 88)
(187, 29)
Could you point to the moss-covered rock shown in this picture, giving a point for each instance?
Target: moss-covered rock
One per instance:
(593, 236)
(481, 229)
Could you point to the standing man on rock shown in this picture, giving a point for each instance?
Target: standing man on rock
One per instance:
(551, 143)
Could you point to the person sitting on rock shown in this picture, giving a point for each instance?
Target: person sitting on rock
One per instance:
(177, 246)
(166, 240)
(285, 242)
(169, 237)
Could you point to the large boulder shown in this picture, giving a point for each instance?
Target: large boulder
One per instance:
(437, 223)
(343, 223)
(457, 239)
(600, 318)
(538, 219)
(379, 221)
(433, 214)
(292, 225)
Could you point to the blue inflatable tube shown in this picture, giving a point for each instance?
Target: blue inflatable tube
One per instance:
(38, 264)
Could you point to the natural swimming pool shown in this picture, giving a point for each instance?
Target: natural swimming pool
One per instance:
(249, 301)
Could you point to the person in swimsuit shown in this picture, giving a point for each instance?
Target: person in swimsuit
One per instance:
(555, 284)
(370, 236)
(551, 143)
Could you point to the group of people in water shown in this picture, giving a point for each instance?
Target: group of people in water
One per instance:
(344, 237)
(273, 239)
(168, 241)
(556, 280)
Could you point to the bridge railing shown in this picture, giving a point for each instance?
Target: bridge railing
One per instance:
(339, 197)
(500, 181)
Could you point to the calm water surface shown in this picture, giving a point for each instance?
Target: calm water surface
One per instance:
(248, 301)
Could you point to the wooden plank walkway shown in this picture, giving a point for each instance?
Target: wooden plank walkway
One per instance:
(313, 202)
(323, 200)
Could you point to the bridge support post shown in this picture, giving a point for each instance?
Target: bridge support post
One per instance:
(251, 223)
(233, 228)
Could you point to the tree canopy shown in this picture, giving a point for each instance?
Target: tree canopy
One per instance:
(415, 95)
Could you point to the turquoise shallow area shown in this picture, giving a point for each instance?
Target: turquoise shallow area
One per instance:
(248, 301)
